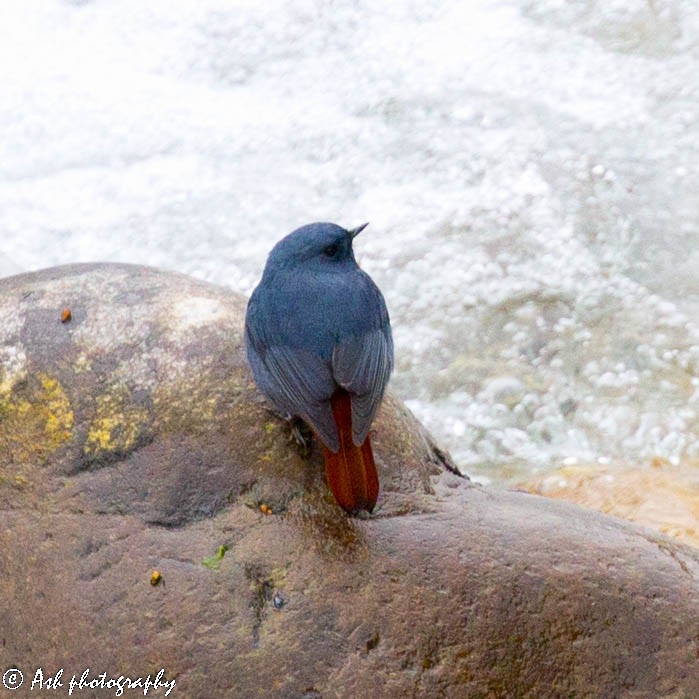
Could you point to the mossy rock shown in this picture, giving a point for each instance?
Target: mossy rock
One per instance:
(133, 440)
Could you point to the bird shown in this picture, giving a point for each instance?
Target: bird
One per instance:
(318, 340)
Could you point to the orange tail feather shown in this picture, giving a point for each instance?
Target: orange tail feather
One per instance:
(351, 473)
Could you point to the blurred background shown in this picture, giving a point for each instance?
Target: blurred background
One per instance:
(530, 169)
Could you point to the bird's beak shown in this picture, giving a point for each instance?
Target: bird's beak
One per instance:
(354, 232)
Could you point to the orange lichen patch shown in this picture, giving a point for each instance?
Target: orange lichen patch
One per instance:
(265, 509)
(663, 497)
(66, 315)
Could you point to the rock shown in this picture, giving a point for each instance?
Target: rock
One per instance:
(663, 496)
(133, 442)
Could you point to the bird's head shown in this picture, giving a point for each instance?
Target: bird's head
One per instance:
(317, 246)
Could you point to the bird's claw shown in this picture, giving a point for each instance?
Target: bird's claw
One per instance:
(301, 434)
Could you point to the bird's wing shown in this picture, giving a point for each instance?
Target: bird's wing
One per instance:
(296, 382)
(361, 365)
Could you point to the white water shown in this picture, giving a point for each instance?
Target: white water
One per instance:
(530, 170)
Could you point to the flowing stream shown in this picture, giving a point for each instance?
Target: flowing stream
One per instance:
(530, 170)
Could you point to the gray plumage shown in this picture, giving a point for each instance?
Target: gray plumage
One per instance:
(315, 323)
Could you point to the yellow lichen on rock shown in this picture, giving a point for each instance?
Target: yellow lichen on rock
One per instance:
(37, 418)
(185, 407)
(118, 424)
(59, 416)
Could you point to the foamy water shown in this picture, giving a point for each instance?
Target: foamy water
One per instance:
(530, 171)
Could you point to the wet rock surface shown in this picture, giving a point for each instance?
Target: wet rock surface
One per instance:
(132, 439)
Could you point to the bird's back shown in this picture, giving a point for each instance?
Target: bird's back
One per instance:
(316, 324)
(315, 312)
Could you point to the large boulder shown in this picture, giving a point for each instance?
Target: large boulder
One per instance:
(663, 496)
(132, 440)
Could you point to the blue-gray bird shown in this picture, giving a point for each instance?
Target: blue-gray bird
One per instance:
(319, 343)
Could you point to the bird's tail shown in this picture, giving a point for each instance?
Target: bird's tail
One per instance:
(351, 473)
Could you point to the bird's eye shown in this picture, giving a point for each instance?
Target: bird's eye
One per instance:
(331, 250)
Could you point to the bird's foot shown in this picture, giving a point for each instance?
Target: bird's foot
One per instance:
(301, 434)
